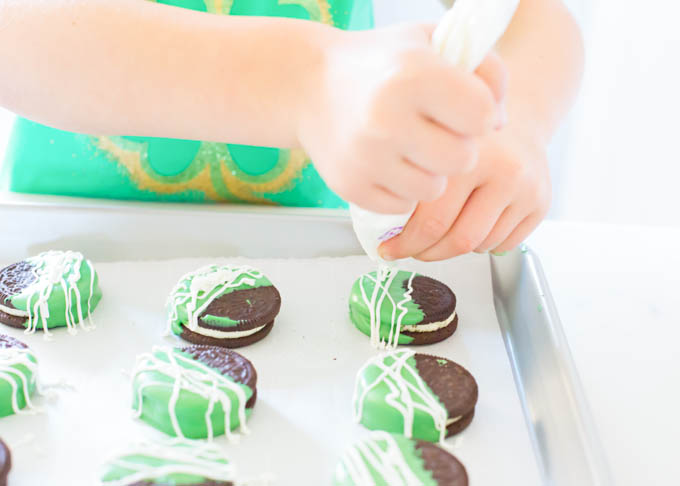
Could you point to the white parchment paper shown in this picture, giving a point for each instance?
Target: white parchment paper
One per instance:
(306, 366)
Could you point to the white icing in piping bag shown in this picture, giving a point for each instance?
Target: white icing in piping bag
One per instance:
(465, 35)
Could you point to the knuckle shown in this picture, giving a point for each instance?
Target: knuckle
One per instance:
(486, 112)
(468, 155)
(463, 244)
(434, 227)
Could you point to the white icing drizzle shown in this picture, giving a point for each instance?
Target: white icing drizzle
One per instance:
(197, 378)
(381, 452)
(200, 459)
(403, 394)
(10, 358)
(383, 280)
(54, 268)
(212, 281)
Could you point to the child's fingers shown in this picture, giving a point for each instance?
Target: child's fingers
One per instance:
(438, 150)
(478, 217)
(520, 233)
(495, 75)
(410, 181)
(430, 222)
(462, 103)
(509, 220)
(384, 201)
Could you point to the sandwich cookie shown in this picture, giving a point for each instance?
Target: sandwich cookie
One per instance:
(223, 305)
(417, 395)
(194, 392)
(5, 463)
(53, 289)
(182, 464)
(398, 307)
(384, 459)
(18, 376)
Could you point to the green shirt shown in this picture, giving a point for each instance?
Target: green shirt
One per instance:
(44, 160)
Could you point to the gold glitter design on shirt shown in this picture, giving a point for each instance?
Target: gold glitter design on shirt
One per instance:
(319, 10)
(295, 161)
(219, 178)
(219, 6)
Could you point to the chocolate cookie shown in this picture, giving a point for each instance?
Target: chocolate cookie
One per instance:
(18, 376)
(163, 465)
(384, 459)
(445, 394)
(398, 307)
(53, 289)
(223, 305)
(175, 388)
(5, 463)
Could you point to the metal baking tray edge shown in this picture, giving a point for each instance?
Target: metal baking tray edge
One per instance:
(561, 428)
(560, 425)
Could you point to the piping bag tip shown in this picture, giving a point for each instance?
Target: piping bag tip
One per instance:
(373, 229)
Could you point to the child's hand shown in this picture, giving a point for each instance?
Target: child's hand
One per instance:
(389, 119)
(493, 207)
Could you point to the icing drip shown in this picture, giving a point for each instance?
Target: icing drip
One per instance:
(57, 268)
(210, 281)
(382, 453)
(10, 359)
(403, 392)
(205, 460)
(192, 376)
(383, 280)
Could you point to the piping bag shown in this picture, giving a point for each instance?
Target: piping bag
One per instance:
(464, 36)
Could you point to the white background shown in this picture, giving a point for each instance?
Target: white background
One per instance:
(616, 159)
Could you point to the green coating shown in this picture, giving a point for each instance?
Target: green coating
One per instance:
(411, 455)
(378, 414)
(190, 408)
(359, 309)
(114, 472)
(56, 302)
(6, 389)
(182, 316)
(220, 321)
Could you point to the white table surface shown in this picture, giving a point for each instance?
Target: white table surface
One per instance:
(616, 290)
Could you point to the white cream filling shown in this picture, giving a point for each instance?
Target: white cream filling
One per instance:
(225, 334)
(430, 327)
(453, 420)
(13, 312)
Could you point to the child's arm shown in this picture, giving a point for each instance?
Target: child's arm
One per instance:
(505, 197)
(362, 104)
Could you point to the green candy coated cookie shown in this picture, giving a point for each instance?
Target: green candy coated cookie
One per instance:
(384, 304)
(183, 464)
(18, 374)
(197, 290)
(183, 397)
(62, 290)
(390, 395)
(383, 459)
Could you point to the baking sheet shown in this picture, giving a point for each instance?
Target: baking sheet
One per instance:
(306, 366)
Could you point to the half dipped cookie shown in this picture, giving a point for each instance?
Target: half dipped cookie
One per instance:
(384, 459)
(18, 376)
(182, 464)
(5, 463)
(194, 392)
(416, 395)
(52, 289)
(223, 305)
(399, 307)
